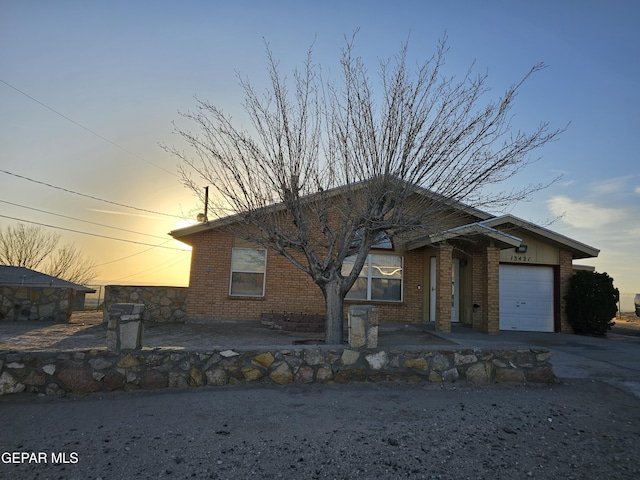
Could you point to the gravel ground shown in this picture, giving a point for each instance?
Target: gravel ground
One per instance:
(577, 430)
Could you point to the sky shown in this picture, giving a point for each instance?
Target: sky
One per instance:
(89, 91)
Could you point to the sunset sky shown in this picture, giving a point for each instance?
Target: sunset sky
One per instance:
(89, 90)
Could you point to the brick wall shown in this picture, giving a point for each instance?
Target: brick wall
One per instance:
(443, 288)
(491, 300)
(287, 288)
(566, 270)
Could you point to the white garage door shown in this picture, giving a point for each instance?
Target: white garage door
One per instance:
(526, 298)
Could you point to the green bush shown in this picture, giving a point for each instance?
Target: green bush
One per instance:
(592, 302)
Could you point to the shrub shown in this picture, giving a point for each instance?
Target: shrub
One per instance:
(591, 302)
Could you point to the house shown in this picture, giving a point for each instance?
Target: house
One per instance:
(489, 272)
(29, 290)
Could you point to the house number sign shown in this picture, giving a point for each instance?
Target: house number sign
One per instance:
(520, 258)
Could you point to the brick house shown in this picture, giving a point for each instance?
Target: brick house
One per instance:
(492, 273)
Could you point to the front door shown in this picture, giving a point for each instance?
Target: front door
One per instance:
(455, 290)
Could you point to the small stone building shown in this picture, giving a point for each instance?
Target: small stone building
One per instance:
(26, 294)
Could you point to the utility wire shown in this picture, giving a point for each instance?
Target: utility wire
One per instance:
(90, 234)
(88, 129)
(89, 196)
(157, 268)
(133, 255)
(81, 220)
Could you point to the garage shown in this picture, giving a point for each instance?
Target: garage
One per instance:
(526, 298)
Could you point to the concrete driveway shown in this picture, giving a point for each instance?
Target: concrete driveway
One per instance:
(614, 359)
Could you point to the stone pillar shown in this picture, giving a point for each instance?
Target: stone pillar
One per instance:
(124, 330)
(444, 257)
(363, 326)
(491, 296)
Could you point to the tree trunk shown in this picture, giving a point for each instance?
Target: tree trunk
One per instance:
(334, 305)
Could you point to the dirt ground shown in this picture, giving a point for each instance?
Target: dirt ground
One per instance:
(575, 429)
(86, 330)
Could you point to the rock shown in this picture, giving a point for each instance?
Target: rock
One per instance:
(35, 378)
(304, 374)
(99, 363)
(53, 390)
(264, 359)
(113, 381)
(417, 363)
(8, 384)
(195, 377)
(313, 357)
(178, 380)
(78, 380)
(464, 359)
(128, 361)
(217, 377)
(440, 362)
(282, 374)
(450, 375)
(229, 353)
(543, 356)
(324, 374)
(49, 369)
(349, 357)
(479, 373)
(509, 375)
(435, 377)
(251, 374)
(152, 379)
(377, 361)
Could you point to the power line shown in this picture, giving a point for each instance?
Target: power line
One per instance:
(132, 255)
(90, 234)
(81, 220)
(88, 129)
(88, 196)
(157, 268)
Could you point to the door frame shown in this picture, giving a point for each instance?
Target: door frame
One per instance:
(455, 289)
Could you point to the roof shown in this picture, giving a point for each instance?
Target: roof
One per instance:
(578, 249)
(21, 276)
(501, 239)
(180, 233)
(487, 226)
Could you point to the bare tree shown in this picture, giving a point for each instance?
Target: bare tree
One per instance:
(331, 164)
(31, 247)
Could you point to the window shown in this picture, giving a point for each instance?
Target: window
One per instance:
(379, 279)
(248, 266)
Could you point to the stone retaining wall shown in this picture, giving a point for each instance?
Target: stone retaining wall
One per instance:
(36, 303)
(162, 304)
(55, 374)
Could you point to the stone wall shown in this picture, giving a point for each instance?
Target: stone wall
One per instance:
(54, 374)
(36, 303)
(162, 304)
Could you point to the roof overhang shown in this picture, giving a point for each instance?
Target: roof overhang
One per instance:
(472, 233)
(578, 249)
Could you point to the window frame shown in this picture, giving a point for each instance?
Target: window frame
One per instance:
(263, 273)
(370, 276)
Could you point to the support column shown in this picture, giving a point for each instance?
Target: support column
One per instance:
(444, 258)
(477, 288)
(491, 293)
(565, 273)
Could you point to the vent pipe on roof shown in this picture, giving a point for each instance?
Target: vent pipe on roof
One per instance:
(202, 217)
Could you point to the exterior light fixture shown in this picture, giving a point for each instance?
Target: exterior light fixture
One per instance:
(522, 249)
